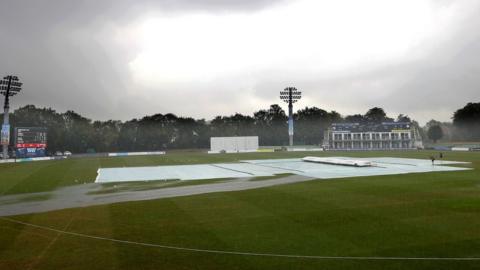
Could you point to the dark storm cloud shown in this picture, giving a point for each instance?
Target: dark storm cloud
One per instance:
(58, 50)
(64, 53)
(38, 14)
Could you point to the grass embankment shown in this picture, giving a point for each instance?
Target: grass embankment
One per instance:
(416, 215)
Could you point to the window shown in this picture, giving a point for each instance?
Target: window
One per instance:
(366, 136)
(337, 137)
(395, 136)
(356, 145)
(347, 136)
(357, 136)
(385, 136)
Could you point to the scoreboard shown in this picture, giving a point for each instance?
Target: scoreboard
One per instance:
(30, 141)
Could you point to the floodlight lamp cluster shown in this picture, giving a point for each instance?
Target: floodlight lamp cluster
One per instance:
(290, 95)
(11, 85)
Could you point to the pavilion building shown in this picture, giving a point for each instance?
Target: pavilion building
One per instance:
(378, 136)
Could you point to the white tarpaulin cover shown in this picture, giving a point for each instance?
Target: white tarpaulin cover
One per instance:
(270, 167)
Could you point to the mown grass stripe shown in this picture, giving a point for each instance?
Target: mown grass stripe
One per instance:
(226, 252)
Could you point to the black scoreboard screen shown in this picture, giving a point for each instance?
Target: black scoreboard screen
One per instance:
(30, 141)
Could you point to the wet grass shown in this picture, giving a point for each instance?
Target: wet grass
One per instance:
(28, 198)
(149, 185)
(433, 214)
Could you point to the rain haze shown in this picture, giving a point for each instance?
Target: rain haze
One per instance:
(126, 59)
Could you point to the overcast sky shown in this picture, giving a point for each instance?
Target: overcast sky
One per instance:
(123, 59)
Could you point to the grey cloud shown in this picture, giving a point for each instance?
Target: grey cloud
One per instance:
(52, 46)
(37, 14)
(57, 49)
(430, 85)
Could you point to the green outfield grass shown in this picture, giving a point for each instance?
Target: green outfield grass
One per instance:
(416, 215)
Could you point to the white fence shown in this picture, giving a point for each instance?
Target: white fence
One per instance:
(461, 149)
(122, 154)
(12, 160)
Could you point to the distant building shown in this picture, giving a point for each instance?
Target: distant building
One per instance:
(383, 136)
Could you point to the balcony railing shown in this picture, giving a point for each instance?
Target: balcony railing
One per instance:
(371, 140)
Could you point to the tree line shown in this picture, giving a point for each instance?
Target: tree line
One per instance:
(73, 132)
(465, 125)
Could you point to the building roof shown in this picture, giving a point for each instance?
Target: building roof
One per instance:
(371, 127)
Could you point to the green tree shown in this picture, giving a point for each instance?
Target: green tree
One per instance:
(234, 125)
(155, 132)
(79, 133)
(435, 133)
(187, 133)
(106, 135)
(311, 123)
(403, 118)
(377, 115)
(271, 126)
(356, 118)
(467, 119)
(127, 139)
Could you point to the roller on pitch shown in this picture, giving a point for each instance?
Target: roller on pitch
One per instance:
(339, 161)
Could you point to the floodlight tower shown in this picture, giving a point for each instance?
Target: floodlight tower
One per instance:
(290, 95)
(9, 86)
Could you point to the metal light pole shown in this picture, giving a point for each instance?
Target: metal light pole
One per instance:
(9, 86)
(290, 95)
